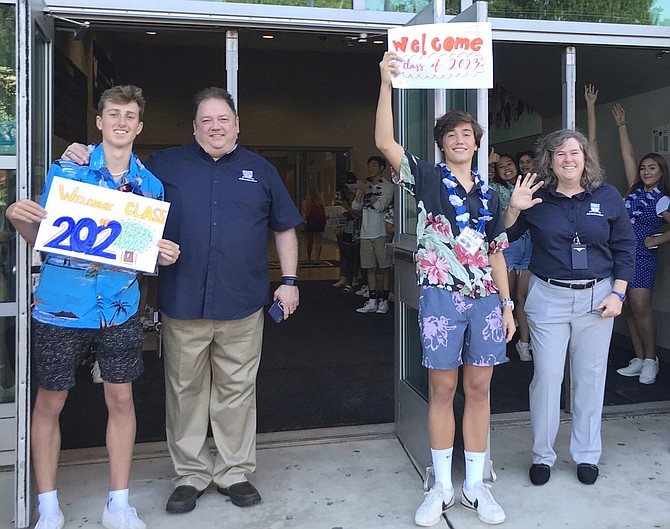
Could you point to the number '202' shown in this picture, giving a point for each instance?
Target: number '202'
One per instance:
(81, 236)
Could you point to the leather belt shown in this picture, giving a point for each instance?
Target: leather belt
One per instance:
(572, 286)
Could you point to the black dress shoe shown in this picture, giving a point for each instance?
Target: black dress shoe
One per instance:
(242, 494)
(587, 473)
(539, 473)
(183, 499)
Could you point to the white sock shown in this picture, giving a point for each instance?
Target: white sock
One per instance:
(48, 503)
(474, 469)
(118, 500)
(442, 465)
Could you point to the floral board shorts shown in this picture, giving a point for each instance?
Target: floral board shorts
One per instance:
(457, 330)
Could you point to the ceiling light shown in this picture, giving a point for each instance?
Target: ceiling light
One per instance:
(268, 36)
(151, 33)
(377, 42)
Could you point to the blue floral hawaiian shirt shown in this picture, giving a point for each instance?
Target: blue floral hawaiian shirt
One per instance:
(84, 294)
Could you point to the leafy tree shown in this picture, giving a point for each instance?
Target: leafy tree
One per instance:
(7, 71)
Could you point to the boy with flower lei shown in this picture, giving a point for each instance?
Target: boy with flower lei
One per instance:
(465, 313)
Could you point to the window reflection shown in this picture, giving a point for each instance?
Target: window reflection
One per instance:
(7, 360)
(647, 12)
(7, 80)
(7, 237)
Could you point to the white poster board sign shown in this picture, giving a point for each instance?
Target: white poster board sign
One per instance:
(453, 55)
(335, 216)
(102, 225)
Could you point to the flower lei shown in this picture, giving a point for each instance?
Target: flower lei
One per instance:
(637, 199)
(462, 214)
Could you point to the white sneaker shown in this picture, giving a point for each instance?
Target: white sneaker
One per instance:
(127, 519)
(649, 371)
(524, 353)
(483, 503)
(51, 522)
(437, 501)
(370, 306)
(340, 283)
(364, 291)
(382, 307)
(633, 369)
(95, 373)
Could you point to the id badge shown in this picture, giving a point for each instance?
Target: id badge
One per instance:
(579, 257)
(470, 240)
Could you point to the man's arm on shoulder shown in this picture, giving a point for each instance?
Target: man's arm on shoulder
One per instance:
(286, 243)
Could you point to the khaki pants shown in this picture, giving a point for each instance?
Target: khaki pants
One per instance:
(210, 377)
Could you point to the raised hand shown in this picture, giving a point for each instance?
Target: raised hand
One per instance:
(525, 188)
(590, 94)
(619, 115)
(494, 157)
(388, 67)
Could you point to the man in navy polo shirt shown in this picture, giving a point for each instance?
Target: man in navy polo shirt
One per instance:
(223, 200)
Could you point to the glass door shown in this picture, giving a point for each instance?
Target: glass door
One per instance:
(33, 110)
(416, 111)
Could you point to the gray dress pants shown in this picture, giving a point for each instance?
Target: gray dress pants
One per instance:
(559, 321)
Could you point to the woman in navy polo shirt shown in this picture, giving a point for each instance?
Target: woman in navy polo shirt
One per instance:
(583, 258)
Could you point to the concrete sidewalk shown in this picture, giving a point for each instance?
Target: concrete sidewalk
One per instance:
(362, 478)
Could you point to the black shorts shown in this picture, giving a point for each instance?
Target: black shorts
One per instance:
(58, 352)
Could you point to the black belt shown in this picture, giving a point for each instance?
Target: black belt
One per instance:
(573, 286)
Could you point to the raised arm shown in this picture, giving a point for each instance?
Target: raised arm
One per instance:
(627, 154)
(591, 96)
(384, 138)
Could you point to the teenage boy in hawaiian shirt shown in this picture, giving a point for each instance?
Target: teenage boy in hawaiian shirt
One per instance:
(465, 313)
(80, 304)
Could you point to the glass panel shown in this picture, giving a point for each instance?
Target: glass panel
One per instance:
(337, 4)
(415, 374)
(648, 12)
(39, 113)
(7, 80)
(7, 237)
(416, 139)
(7, 359)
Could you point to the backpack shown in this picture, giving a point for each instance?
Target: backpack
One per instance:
(316, 216)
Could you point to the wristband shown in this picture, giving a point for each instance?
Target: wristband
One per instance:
(621, 296)
(289, 280)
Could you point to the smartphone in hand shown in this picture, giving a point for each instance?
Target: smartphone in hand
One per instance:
(276, 311)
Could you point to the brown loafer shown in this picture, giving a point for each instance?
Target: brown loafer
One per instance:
(242, 494)
(183, 499)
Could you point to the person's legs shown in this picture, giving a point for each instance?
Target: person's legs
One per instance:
(236, 352)
(120, 432)
(310, 243)
(643, 320)
(484, 347)
(477, 409)
(589, 349)
(521, 290)
(45, 437)
(318, 244)
(186, 344)
(549, 309)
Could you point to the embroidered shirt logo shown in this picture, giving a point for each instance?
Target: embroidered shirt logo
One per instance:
(248, 176)
(595, 210)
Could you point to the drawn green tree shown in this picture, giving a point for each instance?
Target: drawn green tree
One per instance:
(134, 237)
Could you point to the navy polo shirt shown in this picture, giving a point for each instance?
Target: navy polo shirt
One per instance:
(219, 215)
(601, 222)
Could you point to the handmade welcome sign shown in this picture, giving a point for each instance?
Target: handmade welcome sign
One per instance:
(452, 55)
(102, 225)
